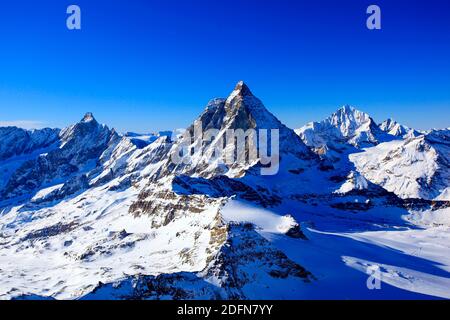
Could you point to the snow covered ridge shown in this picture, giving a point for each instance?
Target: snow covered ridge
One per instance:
(404, 161)
(79, 150)
(88, 213)
(412, 168)
(16, 142)
(396, 129)
(345, 125)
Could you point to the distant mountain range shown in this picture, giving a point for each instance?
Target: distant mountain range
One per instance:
(401, 160)
(88, 213)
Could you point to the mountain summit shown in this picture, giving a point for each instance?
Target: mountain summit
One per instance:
(88, 117)
(240, 111)
(396, 129)
(80, 147)
(242, 89)
(347, 127)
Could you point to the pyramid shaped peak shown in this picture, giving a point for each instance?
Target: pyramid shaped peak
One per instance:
(88, 117)
(242, 89)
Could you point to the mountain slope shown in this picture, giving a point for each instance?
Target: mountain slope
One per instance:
(18, 146)
(202, 175)
(229, 275)
(17, 141)
(81, 146)
(413, 168)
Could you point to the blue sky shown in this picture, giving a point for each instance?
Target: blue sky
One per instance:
(147, 65)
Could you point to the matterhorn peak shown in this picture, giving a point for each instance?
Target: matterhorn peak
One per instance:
(88, 117)
(242, 89)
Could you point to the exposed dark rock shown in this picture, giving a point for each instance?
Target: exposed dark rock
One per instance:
(51, 231)
(296, 232)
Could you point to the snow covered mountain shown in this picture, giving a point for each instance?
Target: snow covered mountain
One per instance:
(345, 131)
(134, 198)
(413, 168)
(345, 125)
(80, 148)
(106, 216)
(17, 142)
(396, 129)
(241, 111)
(395, 157)
(18, 146)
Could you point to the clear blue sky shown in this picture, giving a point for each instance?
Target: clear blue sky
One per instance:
(148, 65)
